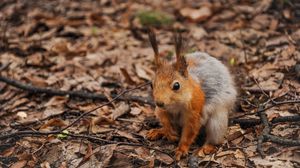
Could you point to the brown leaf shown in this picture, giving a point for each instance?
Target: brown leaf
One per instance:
(127, 135)
(19, 102)
(21, 115)
(88, 154)
(135, 111)
(106, 152)
(128, 78)
(55, 122)
(102, 120)
(234, 136)
(36, 80)
(198, 32)
(97, 122)
(19, 164)
(35, 59)
(56, 100)
(196, 15)
(164, 158)
(52, 110)
(122, 109)
(140, 71)
(45, 165)
(8, 152)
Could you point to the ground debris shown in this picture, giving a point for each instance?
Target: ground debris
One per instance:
(60, 60)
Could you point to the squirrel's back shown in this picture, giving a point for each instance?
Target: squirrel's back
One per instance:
(214, 78)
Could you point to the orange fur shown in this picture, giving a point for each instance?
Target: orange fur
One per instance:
(191, 125)
(207, 149)
(166, 131)
(181, 111)
(190, 114)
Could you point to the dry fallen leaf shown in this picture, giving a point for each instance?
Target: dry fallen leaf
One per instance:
(135, 111)
(164, 158)
(106, 152)
(35, 59)
(140, 71)
(88, 154)
(196, 15)
(55, 122)
(127, 135)
(52, 110)
(19, 102)
(19, 164)
(122, 109)
(21, 115)
(127, 77)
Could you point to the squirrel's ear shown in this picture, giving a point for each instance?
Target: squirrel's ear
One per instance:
(181, 65)
(153, 42)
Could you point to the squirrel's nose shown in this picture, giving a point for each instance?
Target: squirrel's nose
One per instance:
(160, 104)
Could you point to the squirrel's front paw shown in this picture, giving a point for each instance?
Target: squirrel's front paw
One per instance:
(154, 134)
(180, 152)
(171, 137)
(207, 149)
(159, 133)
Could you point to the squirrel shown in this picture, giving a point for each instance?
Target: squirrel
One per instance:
(195, 90)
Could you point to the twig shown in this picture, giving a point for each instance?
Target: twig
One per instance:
(93, 138)
(27, 133)
(107, 103)
(282, 141)
(265, 131)
(88, 137)
(81, 94)
(77, 119)
(279, 103)
(263, 91)
(246, 123)
(275, 103)
(266, 136)
(286, 119)
(28, 123)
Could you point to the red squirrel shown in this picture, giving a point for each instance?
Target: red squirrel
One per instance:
(194, 91)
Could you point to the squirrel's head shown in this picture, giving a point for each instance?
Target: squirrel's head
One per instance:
(172, 83)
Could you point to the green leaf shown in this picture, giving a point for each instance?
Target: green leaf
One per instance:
(154, 18)
(232, 61)
(63, 135)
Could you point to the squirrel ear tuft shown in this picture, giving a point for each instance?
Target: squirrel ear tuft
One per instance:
(153, 42)
(181, 65)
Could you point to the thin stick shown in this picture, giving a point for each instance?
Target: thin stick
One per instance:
(113, 99)
(81, 94)
(265, 131)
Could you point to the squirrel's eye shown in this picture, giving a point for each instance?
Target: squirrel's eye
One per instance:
(151, 85)
(176, 86)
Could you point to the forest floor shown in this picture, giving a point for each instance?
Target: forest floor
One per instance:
(100, 49)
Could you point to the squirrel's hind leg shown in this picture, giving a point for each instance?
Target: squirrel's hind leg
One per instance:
(216, 129)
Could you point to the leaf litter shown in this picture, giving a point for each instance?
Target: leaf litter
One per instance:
(101, 47)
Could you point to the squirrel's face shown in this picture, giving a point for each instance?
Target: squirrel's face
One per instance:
(171, 88)
(171, 85)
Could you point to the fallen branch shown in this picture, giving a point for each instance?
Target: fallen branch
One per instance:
(91, 138)
(266, 136)
(282, 141)
(247, 123)
(279, 103)
(82, 136)
(80, 94)
(265, 131)
(105, 104)
(7, 135)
